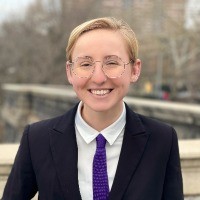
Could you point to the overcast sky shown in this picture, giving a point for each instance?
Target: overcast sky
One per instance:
(9, 7)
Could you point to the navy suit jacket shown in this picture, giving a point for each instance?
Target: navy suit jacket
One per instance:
(148, 168)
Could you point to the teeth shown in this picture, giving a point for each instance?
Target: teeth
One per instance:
(100, 92)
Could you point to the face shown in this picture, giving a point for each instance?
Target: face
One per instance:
(100, 93)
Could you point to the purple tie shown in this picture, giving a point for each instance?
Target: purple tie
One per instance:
(100, 176)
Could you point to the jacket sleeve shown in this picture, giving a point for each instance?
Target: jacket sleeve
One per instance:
(21, 184)
(173, 186)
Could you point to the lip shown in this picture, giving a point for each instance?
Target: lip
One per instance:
(100, 91)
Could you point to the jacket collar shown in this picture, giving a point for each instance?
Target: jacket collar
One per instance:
(65, 154)
(133, 147)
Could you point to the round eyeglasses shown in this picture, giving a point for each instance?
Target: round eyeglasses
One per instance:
(112, 66)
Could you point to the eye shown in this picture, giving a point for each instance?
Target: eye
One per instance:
(112, 62)
(85, 64)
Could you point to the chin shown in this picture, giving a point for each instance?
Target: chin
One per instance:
(104, 107)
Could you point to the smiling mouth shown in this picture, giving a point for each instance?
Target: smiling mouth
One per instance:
(101, 92)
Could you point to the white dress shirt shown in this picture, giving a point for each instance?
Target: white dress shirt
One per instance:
(86, 142)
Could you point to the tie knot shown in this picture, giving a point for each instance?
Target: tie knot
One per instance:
(101, 141)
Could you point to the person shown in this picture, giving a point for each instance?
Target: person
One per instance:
(137, 157)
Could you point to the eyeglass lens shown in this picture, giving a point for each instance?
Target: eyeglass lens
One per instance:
(112, 66)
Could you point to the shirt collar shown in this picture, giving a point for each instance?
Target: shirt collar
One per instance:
(110, 133)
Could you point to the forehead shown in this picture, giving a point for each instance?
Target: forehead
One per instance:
(96, 41)
(103, 33)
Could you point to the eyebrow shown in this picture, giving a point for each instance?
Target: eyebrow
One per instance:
(87, 57)
(90, 57)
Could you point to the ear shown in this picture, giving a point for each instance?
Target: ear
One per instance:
(136, 69)
(68, 72)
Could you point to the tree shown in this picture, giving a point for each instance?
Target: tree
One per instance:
(33, 48)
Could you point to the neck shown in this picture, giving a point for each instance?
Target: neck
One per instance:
(100, 120)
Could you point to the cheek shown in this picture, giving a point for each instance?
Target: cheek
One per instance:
(122, 83)
(127, 78)
(78, 83)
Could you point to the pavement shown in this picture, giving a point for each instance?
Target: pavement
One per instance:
(2, 184)
(11, 150)
(192, 198)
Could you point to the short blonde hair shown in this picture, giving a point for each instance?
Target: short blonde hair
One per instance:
(108, 23)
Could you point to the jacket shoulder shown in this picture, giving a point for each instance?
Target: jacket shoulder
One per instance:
(160, 131)
(153, 122)
(157, 129)
(43, 126)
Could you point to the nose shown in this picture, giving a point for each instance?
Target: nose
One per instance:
(98, 75)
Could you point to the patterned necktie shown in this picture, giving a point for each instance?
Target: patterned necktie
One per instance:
(100, 176)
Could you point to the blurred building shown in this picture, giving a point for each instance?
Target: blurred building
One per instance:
(169, 42)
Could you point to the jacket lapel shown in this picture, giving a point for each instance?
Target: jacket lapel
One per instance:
(133, 146)
(65, 155)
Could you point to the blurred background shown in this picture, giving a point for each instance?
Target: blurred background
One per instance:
(33, 86)
(34, 33)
